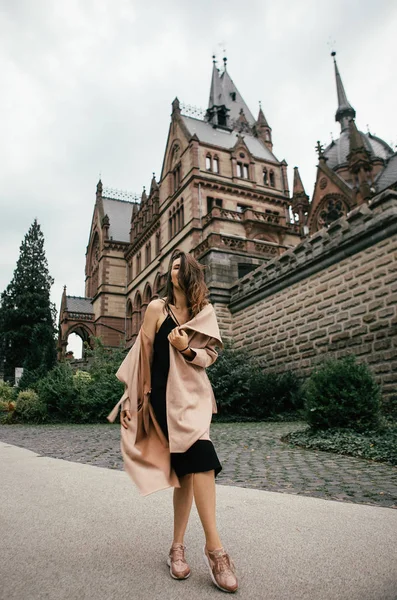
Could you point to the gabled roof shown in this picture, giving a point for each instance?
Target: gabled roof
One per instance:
(388, 176)
(224, 138)
(77, 304)
(119, 213)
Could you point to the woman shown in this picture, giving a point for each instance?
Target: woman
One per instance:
(165, 429)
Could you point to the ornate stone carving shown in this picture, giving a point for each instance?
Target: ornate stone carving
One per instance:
(331, 209)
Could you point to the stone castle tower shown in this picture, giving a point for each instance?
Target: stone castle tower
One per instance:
(222, 195)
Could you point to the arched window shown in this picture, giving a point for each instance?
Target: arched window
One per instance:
(157, 243)
(170, 225)
(129, 320)
(215, 164)
(138, 263)
(271, 177)
(265, 177)
(137, 313)
(173, 221)
(182, 214)
(178, 217)
(148, 253)
(208, 165)
(129, 271)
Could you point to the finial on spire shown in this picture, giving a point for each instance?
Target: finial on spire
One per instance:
(320, 149)
(225, 62)
(214, 59)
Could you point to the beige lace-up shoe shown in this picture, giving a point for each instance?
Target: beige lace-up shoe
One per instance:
(222, 569)
(179, 569)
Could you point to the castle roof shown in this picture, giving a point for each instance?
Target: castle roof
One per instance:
(337, 151)
(225, 93)
(388, 176)
(226, 138)
(77, 304)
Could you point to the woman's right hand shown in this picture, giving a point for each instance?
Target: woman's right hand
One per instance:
(125, 417)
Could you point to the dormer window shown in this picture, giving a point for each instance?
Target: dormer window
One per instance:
(208, 162)
(215, 164)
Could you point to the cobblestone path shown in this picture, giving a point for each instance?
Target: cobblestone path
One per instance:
(252, 456)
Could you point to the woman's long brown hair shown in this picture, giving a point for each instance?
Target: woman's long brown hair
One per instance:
(191, 281)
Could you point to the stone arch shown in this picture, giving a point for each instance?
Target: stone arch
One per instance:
(137, 315)
(147, 294)
(158, 284)
(83, 330)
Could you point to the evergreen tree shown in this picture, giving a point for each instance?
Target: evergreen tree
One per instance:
(27, 316)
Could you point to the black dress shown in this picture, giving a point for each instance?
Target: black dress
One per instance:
(201, 456)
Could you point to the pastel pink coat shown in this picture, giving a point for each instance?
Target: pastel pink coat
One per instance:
(190, 403)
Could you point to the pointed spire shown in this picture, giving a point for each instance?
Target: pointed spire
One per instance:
(225, 100)
(355, 139)
(154, 185)
(300, 201)
(298, 185)
(99, 189)
(261, 120)
(262, 129)
(345, 110)
(144, 196)
(176, 108)
(216, 93)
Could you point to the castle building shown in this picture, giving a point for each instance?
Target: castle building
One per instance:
(222, 195)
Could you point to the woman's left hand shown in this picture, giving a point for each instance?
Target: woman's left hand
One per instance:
(178, 339)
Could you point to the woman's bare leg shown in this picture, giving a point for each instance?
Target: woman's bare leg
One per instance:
(204, 497)
(183, 498)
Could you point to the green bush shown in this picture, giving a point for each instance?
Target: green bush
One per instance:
(29, 407)
(342, 393)
(57, 392)
(7, 392)
(98, 395)
(245, 390)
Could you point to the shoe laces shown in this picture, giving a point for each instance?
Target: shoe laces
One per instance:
(222, 562)
(177, 553)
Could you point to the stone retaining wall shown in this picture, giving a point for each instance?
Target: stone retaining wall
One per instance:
(334, 294)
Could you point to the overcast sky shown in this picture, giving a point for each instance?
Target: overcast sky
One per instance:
(87, 87)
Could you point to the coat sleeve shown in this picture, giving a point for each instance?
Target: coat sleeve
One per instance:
(204, 357)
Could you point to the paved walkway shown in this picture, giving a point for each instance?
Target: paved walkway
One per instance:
(71, 531)
(252, 456)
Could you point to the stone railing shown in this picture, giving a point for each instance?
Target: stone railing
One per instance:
(77, 316)
(248, 215)
(228, 242)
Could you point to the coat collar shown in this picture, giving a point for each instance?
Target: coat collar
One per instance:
(205, 323)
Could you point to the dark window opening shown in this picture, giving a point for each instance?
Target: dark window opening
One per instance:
(244, 269)
(243, 207)
(211, 202)
(272, 179)
(233, 96)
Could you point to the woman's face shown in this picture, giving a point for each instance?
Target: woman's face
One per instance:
(174, 272)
